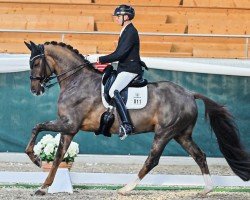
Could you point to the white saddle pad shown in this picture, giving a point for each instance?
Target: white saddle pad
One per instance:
(137, 98)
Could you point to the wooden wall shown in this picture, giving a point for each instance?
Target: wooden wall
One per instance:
(229, 17)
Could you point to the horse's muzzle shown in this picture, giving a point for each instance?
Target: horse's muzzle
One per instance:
(38, 92)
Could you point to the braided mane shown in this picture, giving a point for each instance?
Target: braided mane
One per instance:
(69, 47)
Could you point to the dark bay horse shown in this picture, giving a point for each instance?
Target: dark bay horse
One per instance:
(171, 113)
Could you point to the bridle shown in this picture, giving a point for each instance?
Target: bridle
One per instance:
(45, 79)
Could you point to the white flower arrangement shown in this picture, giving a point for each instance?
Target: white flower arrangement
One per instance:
(46, 149)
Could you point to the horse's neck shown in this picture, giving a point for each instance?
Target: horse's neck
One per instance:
(83, 79)
(75, 75)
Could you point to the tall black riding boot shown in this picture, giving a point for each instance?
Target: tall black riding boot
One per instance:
(126, 127)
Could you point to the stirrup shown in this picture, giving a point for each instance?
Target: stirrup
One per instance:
(123, 131)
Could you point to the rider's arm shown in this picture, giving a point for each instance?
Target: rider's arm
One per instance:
(124, 46)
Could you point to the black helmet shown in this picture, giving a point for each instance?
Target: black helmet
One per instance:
(125, 10)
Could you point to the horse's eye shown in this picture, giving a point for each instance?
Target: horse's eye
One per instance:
(36, 64)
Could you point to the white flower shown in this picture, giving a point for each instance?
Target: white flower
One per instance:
(48, 146)
(66, 155)
(47, 139)
(57, 138)
(38, 148)
(49, 149)
(73, 149)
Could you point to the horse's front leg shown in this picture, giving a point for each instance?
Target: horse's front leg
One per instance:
(59, 125)
(65, 141)
(30, 147)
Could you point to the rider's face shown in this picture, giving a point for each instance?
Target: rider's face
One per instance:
(118, 19)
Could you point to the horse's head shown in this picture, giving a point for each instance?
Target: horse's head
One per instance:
(56, 58)
(40, 68)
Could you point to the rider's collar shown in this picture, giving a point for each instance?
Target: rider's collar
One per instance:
(123, 28)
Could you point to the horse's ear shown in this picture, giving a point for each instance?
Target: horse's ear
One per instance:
(28, 45)
(33, 45)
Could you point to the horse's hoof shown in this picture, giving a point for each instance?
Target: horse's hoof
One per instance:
(38, 162)
(128, 188)
(122, 191)
(204, 193)
(40, 192)
(201, 195)
(35, 159)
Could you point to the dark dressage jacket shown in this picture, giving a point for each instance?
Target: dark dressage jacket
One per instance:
(127, 52)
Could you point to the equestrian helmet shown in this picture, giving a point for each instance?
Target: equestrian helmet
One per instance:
(125, 10)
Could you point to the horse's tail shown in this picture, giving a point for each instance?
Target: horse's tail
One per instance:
(226, 131)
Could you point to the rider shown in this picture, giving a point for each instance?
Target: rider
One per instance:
(129, 66)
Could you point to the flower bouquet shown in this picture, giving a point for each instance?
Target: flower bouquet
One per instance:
(46, 149)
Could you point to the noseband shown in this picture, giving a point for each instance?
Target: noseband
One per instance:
(44, 79)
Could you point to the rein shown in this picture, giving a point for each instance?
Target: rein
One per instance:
(46, 79)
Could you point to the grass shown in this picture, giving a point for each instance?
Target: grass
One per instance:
(115, 187)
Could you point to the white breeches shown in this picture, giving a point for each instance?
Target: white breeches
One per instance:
(121, 81)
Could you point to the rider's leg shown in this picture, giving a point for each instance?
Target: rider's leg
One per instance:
(122, 80)
(126, 127)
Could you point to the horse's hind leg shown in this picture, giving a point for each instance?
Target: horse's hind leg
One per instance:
(160, 141)
(65, 141)
(186, 141)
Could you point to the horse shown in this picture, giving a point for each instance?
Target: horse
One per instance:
(171, 113)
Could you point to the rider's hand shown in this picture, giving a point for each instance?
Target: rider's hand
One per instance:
(93, 58)
(100, 66)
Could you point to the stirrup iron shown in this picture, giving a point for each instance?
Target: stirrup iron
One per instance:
(122, 130)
